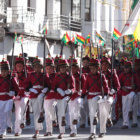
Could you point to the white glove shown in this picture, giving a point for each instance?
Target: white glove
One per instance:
(26, 93)
(112, 91)
(80, 92)
(51, 90)
(11, 93)
(44, 90)
(68, 91)
(17, 97)
(33, 90)
(61, 92)
(41, 95)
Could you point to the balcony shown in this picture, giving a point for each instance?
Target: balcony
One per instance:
(25, 20)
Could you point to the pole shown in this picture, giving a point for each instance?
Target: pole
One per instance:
(62, 46)
(112, 58)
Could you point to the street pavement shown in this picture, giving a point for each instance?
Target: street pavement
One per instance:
(113, 133)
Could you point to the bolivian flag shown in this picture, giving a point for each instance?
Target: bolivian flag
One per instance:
(116, 34)
(99, 37)
(80, 39)
(87, 41)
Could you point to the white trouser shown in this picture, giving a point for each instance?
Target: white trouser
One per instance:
(9, 119)
(5, 107)
(104, 112)
(92, 113)
(74, 113)
(40, 101)
(20, 113)
(84, 112)
(36, 112)
(50, 113)
(129, 103)
(61, 106)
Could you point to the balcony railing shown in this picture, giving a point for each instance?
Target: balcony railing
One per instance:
(30, 20)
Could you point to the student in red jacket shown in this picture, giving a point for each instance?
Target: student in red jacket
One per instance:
(129, 85)
(92, 88)
(49, 102)
(8, 88)
(64, 85)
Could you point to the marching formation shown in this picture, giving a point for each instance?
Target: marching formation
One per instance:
(95, 92)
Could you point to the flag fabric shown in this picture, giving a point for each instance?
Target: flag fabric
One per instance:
(80, 39)
(66, 39)
(132, 22)
(116, 34)
(117, 52)
(16, 38)
(102, 43)
(45, 31)
(99, 37)
(21, 39)
(74, 40)
(87, 41)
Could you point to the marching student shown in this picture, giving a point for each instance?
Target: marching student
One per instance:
(92, 86)
(38, 88)
(64, 85)
(49, 107)
(75, 103)
(129, 85)
(8, 88)
(21, 99)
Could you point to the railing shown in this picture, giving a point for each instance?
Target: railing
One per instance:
(64, 22)
(36, 22)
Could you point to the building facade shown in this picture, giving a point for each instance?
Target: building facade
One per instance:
(29, 17)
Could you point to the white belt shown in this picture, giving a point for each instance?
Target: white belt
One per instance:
(128, 87)
(37, 86)
(3, 93)
(94, 93)
(21, 88)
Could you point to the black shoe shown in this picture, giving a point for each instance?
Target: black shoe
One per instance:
(92, 136)
(109, 123)
(17, 134)
(2, 136)
(22, 125)
(54, 123)
(134, 125)
(124, 127)
(74, 122)
(73, 135)
(101, 135)
(95, 121)
(48, 134)
(41, 119)
(35, 136)
(60, 136)
(9, 130)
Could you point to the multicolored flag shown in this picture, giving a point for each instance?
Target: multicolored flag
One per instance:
(74, 40)
(45, 31)
(99, 37)
(80, 39)
(87, 41)
(66, 39)
(21, 39)
(116, 34)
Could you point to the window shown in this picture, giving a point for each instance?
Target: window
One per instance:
(28, 5)
(45, 7)
(9, 3)
(87, 10)
(76, 9)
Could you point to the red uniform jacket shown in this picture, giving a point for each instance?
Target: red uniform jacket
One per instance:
(138, 76)
(21, 81)
(77, 83)
(115, 79)
(37, 80)
(93, 84)
(126, 80)
(5, 87)
(51, 94)
(62, 81)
